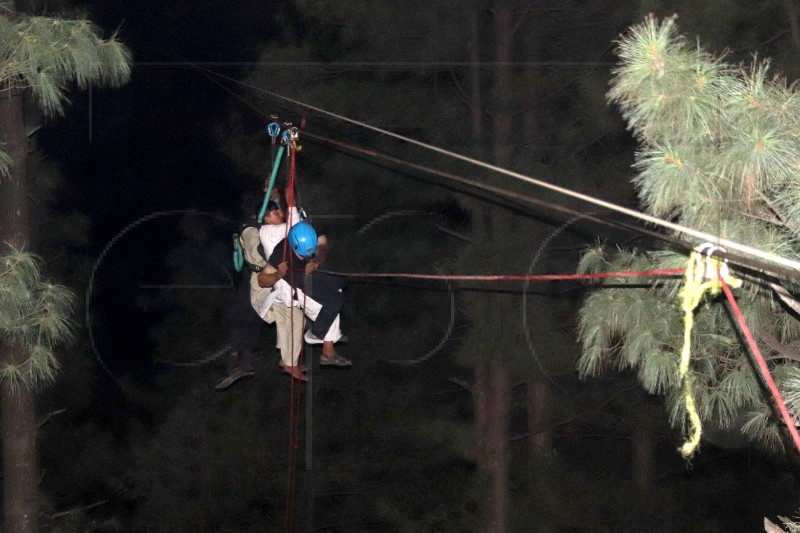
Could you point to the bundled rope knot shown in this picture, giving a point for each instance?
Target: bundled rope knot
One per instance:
(704, 274)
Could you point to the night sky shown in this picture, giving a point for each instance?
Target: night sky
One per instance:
(147, 165)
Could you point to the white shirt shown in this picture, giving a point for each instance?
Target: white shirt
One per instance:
(271, 235)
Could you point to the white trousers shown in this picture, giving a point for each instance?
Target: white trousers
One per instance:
(289, 330)
(282, 295)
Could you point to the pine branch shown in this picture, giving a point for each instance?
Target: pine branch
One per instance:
(718, 150)
(461, 383)
(78, 509)
(46, 418)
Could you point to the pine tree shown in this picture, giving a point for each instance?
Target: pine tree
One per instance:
(40, 57)
(718, 151)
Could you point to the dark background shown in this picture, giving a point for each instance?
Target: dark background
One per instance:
(148, 179)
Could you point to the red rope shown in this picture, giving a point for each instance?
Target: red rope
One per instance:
(762, 365)
(294, 392)
(524, 277)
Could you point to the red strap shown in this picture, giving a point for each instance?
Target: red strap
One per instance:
(762, 365)
(295, 390)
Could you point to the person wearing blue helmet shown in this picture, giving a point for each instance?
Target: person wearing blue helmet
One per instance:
(303, 239)
(293, 259)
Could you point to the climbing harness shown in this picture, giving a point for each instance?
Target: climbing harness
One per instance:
(704, 274)
(239, 250)
(238, 254)
(274, 130)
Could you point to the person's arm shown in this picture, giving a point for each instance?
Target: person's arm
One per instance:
(323, 249)
(311, 266)
(269, 276)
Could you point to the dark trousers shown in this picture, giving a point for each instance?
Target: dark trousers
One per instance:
(244, 324)
(325, 289)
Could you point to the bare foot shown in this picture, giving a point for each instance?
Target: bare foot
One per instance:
(295, 372)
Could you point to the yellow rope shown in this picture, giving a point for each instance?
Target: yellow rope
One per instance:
(702, 276)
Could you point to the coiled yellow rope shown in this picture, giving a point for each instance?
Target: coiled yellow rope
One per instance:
(702, 276)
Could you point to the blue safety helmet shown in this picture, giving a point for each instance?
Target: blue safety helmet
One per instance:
(303, 239)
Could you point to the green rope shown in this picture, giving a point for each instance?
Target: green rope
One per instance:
(275, 167)
(238, 255)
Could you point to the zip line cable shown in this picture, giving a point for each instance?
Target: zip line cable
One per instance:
(743, 261)
(507, 195)
(703, 236)
(552, 206)
(521, 277)
(510, 196)
(790, 272)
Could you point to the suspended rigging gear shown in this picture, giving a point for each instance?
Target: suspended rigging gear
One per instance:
(271, 184)
(288, 139)
(274, 128)
(238, 255)
(291, 135)
(274, 131)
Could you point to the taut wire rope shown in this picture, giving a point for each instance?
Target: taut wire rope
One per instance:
(748, 262)
(703, 236)
(512, 277)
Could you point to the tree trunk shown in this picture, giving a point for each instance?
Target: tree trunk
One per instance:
(479, 401)
(643, 450)
(531, 129)
(475, 107)
(540, 412)
(503, 121)
(498, 449)
(791, 14)
(18, 429)
(17, 405)
(14, 224)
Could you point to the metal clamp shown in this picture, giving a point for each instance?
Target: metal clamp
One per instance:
(713, 266)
